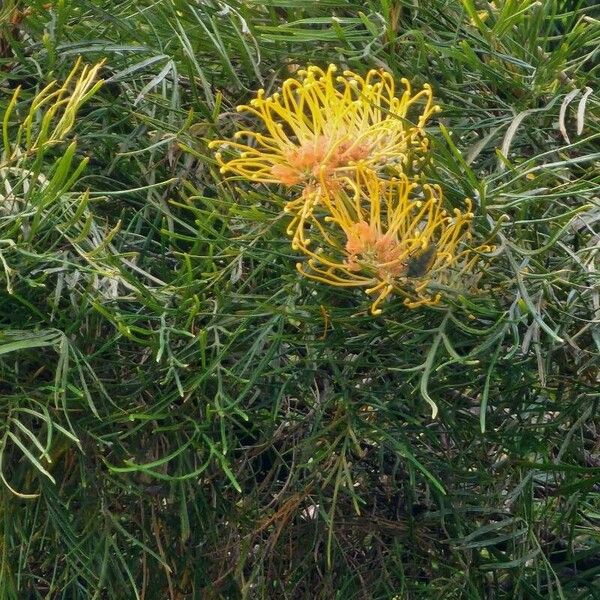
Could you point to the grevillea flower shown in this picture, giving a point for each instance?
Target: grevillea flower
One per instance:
(386, 236)
(321, 125)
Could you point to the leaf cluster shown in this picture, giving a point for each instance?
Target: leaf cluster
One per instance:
(183, 416)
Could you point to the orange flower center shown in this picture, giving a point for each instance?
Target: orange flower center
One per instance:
(368, 247)
(317, 157)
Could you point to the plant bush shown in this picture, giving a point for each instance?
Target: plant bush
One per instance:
(184, 415)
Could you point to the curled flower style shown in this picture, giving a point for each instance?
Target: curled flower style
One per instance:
(321, 125)
(386, 236)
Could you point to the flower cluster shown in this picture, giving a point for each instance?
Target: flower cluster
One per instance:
(385, 236)
(320, 125)
(351, 148)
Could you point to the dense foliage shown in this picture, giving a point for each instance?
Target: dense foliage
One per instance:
(183, 415)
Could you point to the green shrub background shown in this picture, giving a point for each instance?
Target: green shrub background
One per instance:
(194, 420)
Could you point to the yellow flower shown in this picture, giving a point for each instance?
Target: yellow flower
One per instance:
(321, 125)
(386, 236)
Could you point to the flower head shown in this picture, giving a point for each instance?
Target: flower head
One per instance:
(386, 236)
(321, 125)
